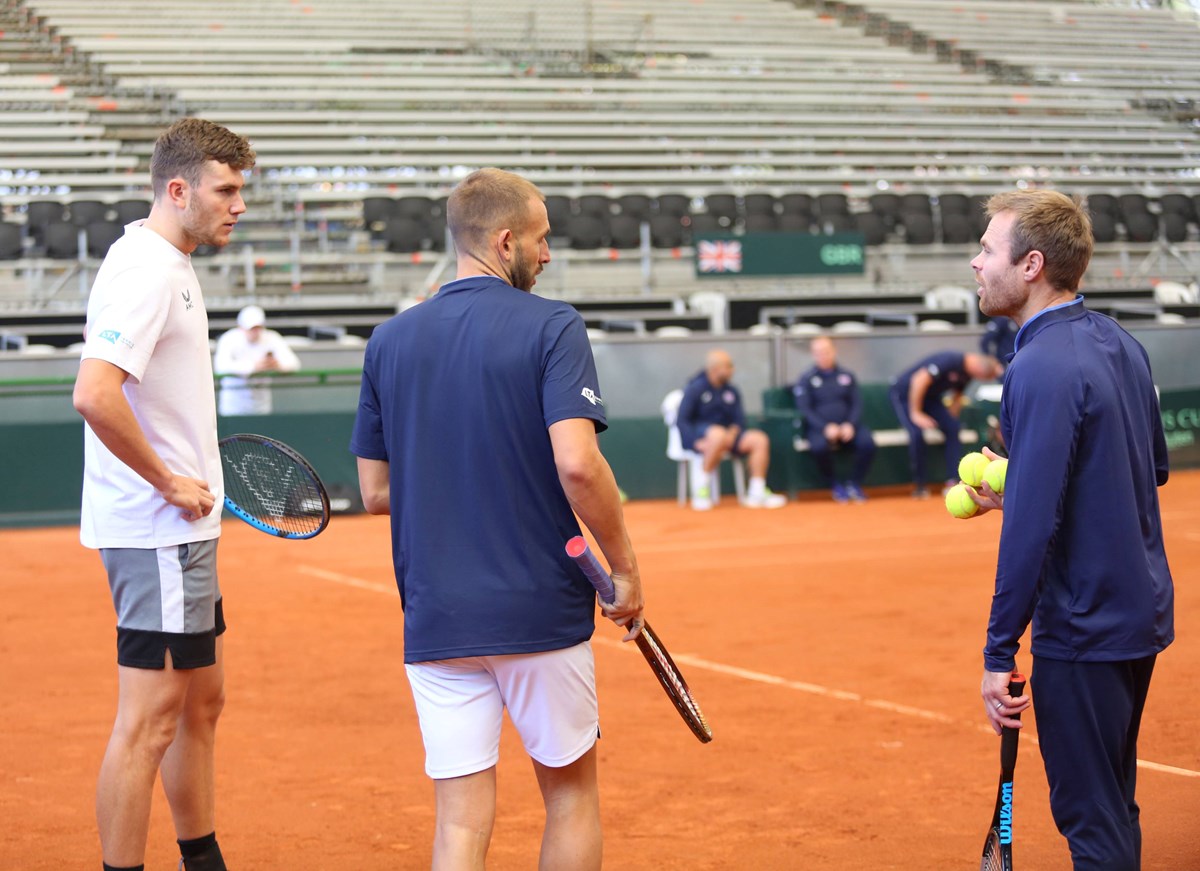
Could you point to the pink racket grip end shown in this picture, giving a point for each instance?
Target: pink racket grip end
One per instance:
(578, 550)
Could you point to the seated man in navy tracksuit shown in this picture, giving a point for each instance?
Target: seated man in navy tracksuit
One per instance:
(830, 407)
(712, 423)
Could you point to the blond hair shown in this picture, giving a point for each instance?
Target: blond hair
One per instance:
(1053, 223)
(486, 201)
(183, 148)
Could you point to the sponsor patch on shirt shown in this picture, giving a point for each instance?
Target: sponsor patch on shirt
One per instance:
(114, 337)
(591, 396)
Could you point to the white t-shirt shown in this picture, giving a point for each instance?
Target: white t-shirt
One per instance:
(146, 315)
(236, 356)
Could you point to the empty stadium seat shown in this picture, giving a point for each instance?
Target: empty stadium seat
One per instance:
(100, 235)
(588, 232)
(872, 226)
(666, 232)
(829, 205)
(84, 212)
(723, 207)
(403, 235)
(558, 209)
(677, 205)
(597, 205)
(625, 232)
(797, 204)
(918, 229)
(1104, 227)
(759, 204)
(636, 206)
(61, 240)
(128, 211)
(10, 241)
(761, 222)
(954, 204)
(1178, 204)
(957, 228)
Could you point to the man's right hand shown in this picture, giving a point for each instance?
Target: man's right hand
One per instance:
(191, 495)
(923, 420)
(626, 609)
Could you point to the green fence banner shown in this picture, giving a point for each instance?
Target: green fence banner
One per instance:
(1181, 425)
(723, 255)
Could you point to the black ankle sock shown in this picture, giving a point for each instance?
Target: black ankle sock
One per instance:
(108, 867)
(202, 854)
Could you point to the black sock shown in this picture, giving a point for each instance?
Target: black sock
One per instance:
(202, 854)
(108, 867)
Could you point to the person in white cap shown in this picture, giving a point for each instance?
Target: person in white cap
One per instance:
(246, 350)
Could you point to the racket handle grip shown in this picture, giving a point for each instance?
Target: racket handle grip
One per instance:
(578, 550)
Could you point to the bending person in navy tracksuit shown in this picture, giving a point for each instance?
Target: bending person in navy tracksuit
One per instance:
(1081, 545)
(929, 395)
(830, 407)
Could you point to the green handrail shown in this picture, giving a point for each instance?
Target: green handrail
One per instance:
(61, 384)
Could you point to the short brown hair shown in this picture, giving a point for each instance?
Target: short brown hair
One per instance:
(486, 201)
(185, 146)
(1053, 223)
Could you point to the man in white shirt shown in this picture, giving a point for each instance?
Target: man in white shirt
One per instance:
(152, 490)
(248, 349)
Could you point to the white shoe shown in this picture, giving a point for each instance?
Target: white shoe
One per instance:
(766, 499)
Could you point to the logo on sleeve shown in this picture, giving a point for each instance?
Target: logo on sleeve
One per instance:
(114, 337)
(590, 395)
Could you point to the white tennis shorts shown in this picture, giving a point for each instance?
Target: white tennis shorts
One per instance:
(550, 697)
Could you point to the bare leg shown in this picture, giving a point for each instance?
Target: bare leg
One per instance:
(466, 812)
(714, 445)
(756, 447)
(149, 702)
(187, 766)
(572, 840)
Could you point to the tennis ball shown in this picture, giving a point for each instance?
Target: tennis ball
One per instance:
(959, 502)
(995, 474)
(970, 468)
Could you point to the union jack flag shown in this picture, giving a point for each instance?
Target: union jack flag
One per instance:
(720, 255)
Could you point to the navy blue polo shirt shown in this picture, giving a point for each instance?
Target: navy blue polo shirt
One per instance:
(827, 396)
(457, 395)
(1081, 544)
(948, 370)
(704, 405)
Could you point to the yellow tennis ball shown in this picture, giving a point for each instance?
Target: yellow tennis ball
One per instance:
(959, 502)
(995, 474)
(970, 468)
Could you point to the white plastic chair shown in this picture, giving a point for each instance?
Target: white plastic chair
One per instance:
(1174, 293)
(685, 458)
(949, 297)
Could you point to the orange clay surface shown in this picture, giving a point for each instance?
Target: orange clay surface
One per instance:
(834, 648)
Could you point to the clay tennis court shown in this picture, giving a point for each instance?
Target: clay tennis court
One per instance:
(835, 649)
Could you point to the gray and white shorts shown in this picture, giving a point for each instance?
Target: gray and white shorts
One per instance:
(166, 598)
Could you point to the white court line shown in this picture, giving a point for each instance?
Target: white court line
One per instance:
(349, 581)
(759, 677)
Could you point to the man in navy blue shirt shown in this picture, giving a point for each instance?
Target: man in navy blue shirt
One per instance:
(928, 396)
(476, 431)
(712, 423)
(1081, 543)
(830, 407)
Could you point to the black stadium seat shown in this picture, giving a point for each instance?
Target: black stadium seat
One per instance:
(558, 209)
(759, 204)
(723, 207)
(588, 232)
(797, 204)
(795, 222)
(376, 210)
(416, 207)
(918, 229)
(128, 211)
(677, 205)
(666, 232)
(84, 212)
(1175, 227)
(829, 205)
(61, 240)
(636, 206)
(594, 204)
(625, 232)
(761, 222)
(886, 205)
(1104, 227)
(10, 241)
(100, 235)
(403, 235)
(873, 226)
(1178, 204)
(954, 204)
(916, 203)
(957, 228)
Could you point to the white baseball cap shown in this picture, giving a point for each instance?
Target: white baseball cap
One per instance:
(250, 317)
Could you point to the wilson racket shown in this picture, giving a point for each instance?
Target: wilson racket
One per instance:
(997, 849)
(648, 642)
(273, 488)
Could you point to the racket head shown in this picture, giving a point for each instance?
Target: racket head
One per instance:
(272, 487)
(997, 856)
(673, 684)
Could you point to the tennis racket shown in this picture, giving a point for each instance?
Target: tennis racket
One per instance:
(648, 642)
(997, 849)
(273, 488)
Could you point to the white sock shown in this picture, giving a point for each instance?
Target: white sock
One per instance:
(758, 487)
(701, 480)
